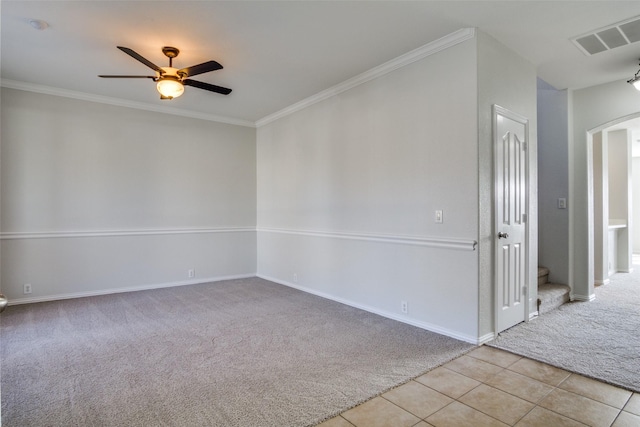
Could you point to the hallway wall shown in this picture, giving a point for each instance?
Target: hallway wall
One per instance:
(553, 181)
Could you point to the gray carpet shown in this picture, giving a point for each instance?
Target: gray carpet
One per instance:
(234, 353)
(599, 339)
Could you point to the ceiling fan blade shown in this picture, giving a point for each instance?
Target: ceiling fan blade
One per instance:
(207, 86)
(125, 77)
(142, 59)
(205, 67)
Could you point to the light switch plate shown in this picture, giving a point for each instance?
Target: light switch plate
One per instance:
(562, 203)
(438, 217)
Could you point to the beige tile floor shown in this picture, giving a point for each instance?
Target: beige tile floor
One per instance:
(490, 387)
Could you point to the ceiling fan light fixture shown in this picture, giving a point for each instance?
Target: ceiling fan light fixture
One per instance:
(635, 80)
(171, 81)
(170, 87)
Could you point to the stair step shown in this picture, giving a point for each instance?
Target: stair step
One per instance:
(552, 296)
(543, 275)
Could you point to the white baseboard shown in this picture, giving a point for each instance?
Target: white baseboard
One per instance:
(30, 300)
(486, 338)
(423, 325)
(601, 282)
(393, 316)
(585, 298)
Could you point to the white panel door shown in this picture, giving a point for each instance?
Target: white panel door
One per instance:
(511, 174)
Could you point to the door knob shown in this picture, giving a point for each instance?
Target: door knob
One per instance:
(502, 235)
(3, 302)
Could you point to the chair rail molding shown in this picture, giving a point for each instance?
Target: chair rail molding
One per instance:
(439, 242)
(116, 233)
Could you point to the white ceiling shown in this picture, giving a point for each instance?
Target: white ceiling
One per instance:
(278, 53)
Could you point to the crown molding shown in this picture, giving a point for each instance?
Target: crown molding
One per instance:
(48, 90)
(379, 71)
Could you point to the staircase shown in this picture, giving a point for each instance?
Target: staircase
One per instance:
(550, 295)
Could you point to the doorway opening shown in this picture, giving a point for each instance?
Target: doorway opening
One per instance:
(613, 153)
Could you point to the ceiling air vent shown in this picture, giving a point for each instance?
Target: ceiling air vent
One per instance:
(611, 37)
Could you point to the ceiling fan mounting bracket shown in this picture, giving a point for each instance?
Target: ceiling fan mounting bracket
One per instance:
(170, 52)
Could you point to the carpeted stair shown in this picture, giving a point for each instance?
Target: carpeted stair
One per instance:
(550, 295)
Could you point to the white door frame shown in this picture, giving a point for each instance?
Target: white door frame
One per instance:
(590, 296)
(498, 110)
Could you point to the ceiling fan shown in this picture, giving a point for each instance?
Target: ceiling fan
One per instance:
(171, 81)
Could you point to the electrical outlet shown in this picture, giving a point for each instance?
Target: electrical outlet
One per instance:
(27, 289)
(295, 277)
(191, 273)
(404, 307)
(438, 217)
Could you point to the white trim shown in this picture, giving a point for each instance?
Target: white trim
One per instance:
(70, 295)
(114, 233)
(389, 315)
(379, 71)
(583, 298)
(486, 338)
(614, 122)
(48, 90)
(571, 190)
(590, 266)
(447, 243)
(602, 282)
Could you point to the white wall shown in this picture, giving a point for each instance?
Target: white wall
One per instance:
(378, 160)
(553, 181)
(620, 196)
(97, 198)
(619, 173)
(347, 189)
(636, 205)
(508, 80)
(591, 110)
